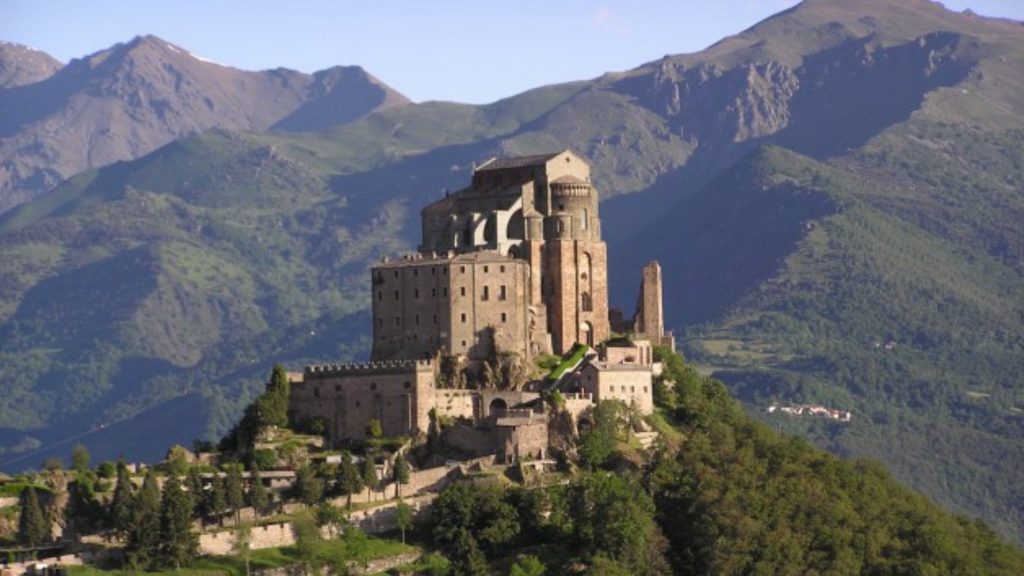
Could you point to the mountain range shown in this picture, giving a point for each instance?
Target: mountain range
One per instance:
(834, 196)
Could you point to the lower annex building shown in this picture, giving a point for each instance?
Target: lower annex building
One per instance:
(512, 266)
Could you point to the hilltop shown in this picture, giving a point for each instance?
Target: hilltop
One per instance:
(840, 175)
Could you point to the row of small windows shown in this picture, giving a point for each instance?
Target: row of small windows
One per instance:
(632, 389)
(485, 295)
(398, 320)
(373, 386)
(433, 271)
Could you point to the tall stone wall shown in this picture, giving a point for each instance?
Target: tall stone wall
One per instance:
(398, 394)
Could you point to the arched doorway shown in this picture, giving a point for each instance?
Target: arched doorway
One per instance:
(587, 334)
(497, 407)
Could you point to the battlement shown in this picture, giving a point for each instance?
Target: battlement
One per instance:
(385, 367)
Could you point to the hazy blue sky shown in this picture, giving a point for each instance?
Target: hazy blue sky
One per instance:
(468, 51)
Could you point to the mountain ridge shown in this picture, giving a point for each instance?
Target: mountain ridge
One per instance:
(125, 101)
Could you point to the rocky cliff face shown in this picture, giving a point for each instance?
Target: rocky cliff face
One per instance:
(126, 101)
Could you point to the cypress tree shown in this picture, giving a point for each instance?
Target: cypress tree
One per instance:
(258, 497)
(370, 474)
(144, 533)
(350, 481)
(179, 544)
(217, 502)
(121, 510)
(235, 490)
(400, 474)
(194, 484)
(32, 524)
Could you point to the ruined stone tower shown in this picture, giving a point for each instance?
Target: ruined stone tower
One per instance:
(649, 321)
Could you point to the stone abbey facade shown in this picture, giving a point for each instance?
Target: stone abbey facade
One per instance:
(513, 266)
(514, 260)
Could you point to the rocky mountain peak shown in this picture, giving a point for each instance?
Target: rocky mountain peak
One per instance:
(21, 65)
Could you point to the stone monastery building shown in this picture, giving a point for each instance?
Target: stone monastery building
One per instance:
(512, 265)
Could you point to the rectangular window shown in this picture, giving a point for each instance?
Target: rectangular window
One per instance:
(462, 291)
(462, 269)
(396, 273)
(417, 319)
(380, 295)
(444, 291)
(463, 317)
(433, 271)
(503, 317)
(611, 388)
(485, 269)
(415, 272)
(444, 271)
(487, 293)
(416, 293)
(396, 294)
(463, 343)
(435, 318)
(501, 293)
(380, 322)
(433, 292)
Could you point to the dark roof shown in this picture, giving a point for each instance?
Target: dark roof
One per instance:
(516, 162)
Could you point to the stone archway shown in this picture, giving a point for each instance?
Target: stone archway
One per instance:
(497, 406)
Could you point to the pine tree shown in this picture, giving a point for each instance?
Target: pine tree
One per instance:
(179, 544)
(217, 499)
(370, 474)
(350, 481)
(258, 497)
(32, 524)
(194, 484)
(84, 513)
(235, 490)
(144, 531)
(307, 488)
(275, 411)
(400, 474)
(121, 510)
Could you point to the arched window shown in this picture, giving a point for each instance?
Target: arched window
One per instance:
(583, 219)
(586, 304)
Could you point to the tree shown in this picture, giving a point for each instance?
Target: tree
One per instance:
(330, 517)
(217, 499)
(144, 531)
(258, 497)
(80, 458)
(121, 511)
(528, 565)
(179, 544)
(468, 559)
(308, 488)
(373, 429)
(350, 481)
(274, 408)
(84, 512)
(241, 546)
(370, 474)
(400, 474)
(598, 443)
(403, 517)
(33, 527)
(235, 490)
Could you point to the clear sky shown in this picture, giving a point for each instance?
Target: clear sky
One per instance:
(468, 51)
